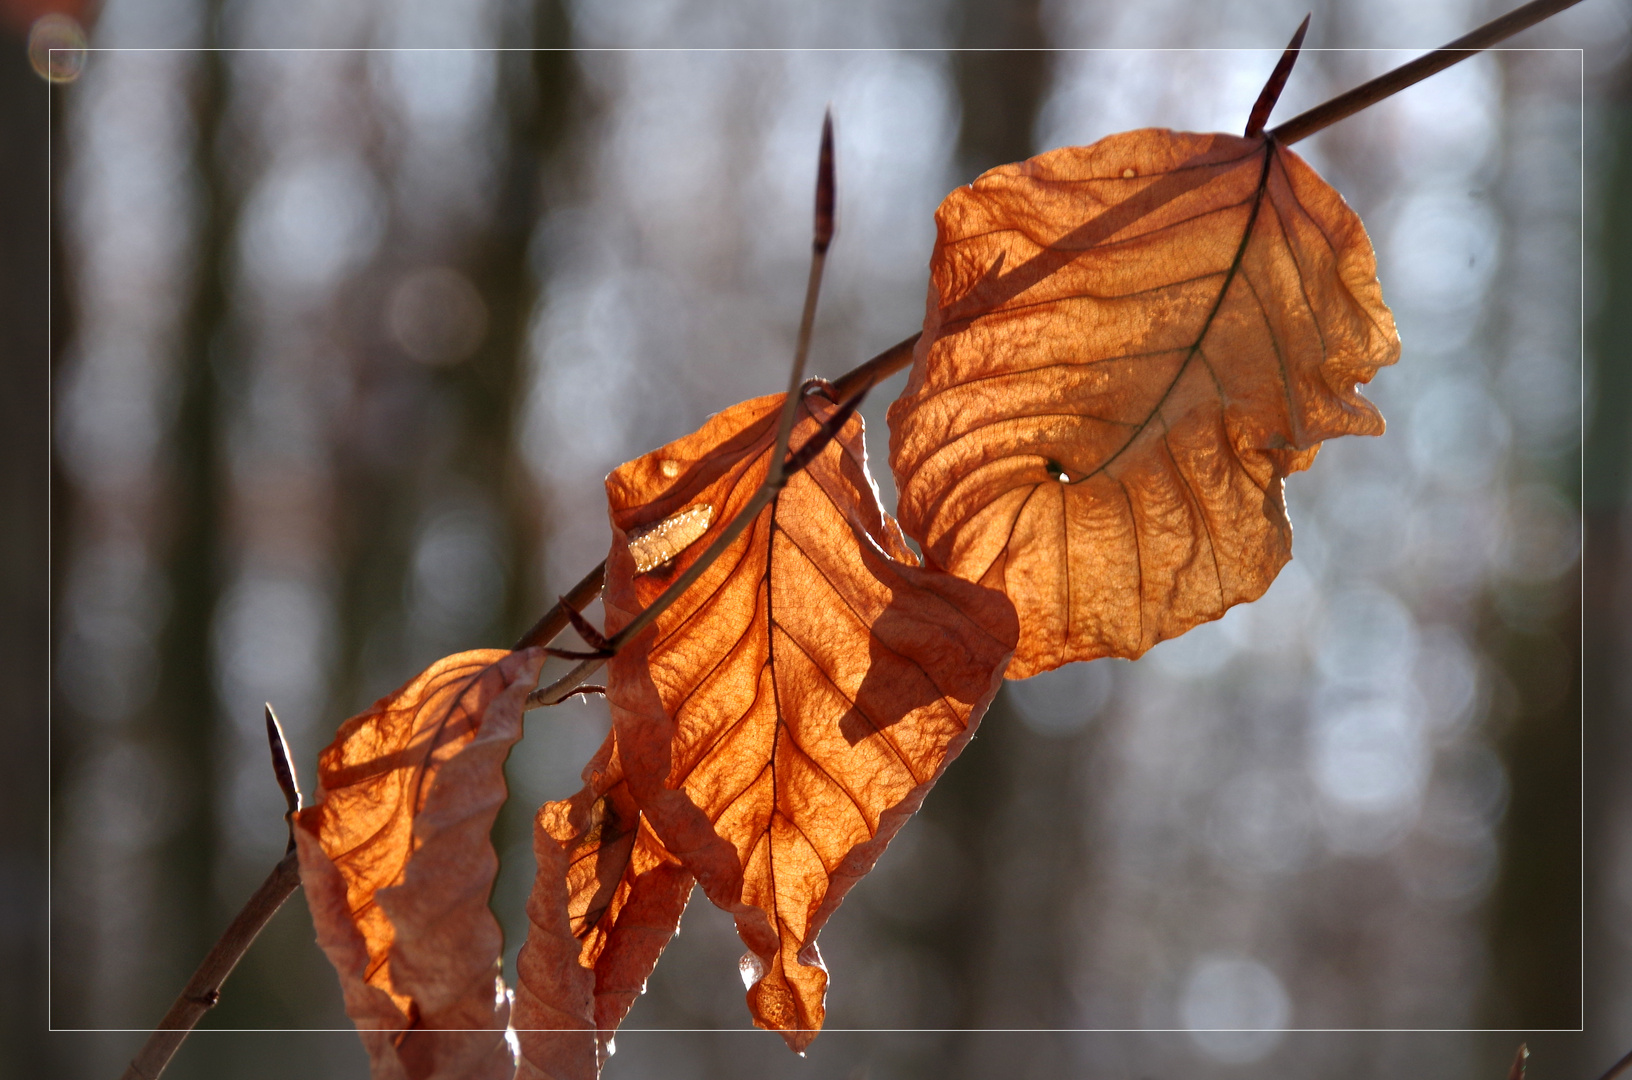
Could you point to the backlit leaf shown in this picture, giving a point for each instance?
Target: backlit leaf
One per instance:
(781, 721)
(1128, 346)
(621, 895)
(397, 865)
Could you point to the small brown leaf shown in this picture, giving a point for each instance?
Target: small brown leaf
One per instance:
(397, 865)
(782, 720)
(607, 900)
(1128, 346)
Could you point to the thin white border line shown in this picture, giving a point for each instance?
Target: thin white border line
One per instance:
(51, 224)
(1581, 542)
(622, 1031)
(50, 545)
(751, 49)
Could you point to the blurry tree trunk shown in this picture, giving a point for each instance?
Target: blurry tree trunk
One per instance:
(539, 85)
(500, 375)
(1536, 929)
(183, 715)
(386, 489)
(1536, 925)
(999, 91)
(980, 800)
(1607, 615)
(27, 363)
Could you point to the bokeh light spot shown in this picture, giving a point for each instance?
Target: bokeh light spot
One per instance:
(1233, 1007)
(56, 48)
(437, 316)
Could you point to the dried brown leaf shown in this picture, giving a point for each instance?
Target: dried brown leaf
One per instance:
(1127, 347)
(607, 900)
(782, 720)
(397, 865)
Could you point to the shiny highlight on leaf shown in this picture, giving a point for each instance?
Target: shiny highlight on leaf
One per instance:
(657, 546)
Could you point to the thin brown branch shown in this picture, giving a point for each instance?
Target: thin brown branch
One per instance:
(1368, 94)
(566, 686)
(1271, 93)
(555, 620)
(866, 376)
(822, 236)
(1619, 1068)
(203, 990)
(824, 435)
(780, 467)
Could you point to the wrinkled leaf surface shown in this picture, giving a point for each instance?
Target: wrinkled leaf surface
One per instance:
(607, 900)
(1127, 347)
(782, 720)
(397, 865)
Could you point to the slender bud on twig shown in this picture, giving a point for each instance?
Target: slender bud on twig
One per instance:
(826, 187)
(1271, 93)
(284, 770)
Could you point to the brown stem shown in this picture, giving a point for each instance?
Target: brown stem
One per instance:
(564, 687)
(857, 380)
(876, 370)
(558, 690)
(555, 620)
(1367, 94)
(203, 990)
(823, 235)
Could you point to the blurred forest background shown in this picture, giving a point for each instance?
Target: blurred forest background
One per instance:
(343, 340)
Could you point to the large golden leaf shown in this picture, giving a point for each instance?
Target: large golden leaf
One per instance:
(397, 865)
(781, 721)
(1127, 347)
(607, 900)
